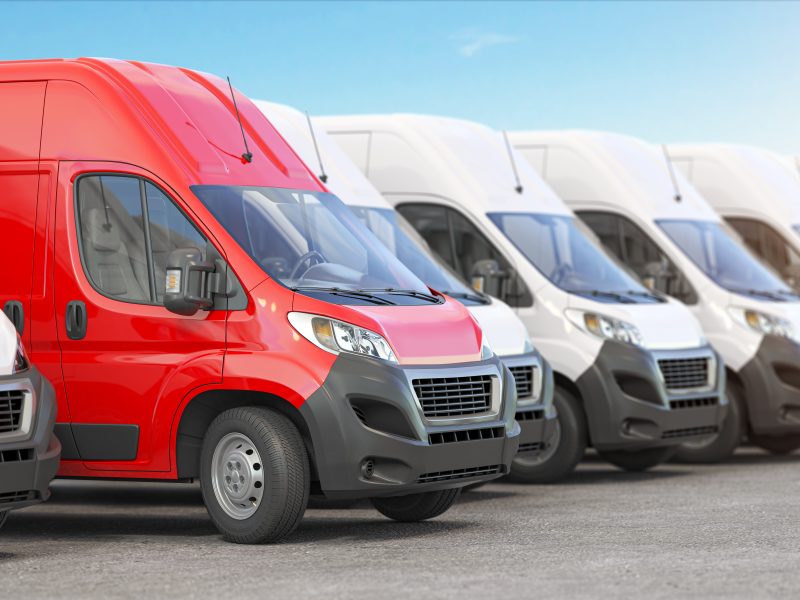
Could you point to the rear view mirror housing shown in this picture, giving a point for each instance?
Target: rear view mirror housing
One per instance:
(487, 277)
(190, 282)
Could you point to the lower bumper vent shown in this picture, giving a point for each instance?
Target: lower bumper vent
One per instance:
(693, 403)
(689, 431)
(530, 447)
(459, 473)
(7, 456)
(466, 435)
(530, 415)
(15, 497)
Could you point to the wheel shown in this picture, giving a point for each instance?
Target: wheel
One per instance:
(254, 475)
(3, 517)
(638, 460)
(417, 507)
(721, 445)
(562, 452)
(785, 444)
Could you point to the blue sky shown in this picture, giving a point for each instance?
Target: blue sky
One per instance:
(669, 71)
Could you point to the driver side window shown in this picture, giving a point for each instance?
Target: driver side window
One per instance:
(639, 254)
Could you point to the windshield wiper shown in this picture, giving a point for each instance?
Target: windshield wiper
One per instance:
(344, 292)
(644, 294)
(467, 296)
(772, 295)
(401, 292)
(603, 294)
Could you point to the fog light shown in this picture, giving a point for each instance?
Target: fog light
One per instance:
(367, 469)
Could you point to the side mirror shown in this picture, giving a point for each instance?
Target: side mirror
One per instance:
(791, 275)
(487, 277)
(191, 282)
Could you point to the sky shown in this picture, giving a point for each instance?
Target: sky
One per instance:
(663, 71)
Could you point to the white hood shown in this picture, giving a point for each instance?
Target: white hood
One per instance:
(504, 331)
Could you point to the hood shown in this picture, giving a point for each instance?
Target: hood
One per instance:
(502, 327)
(664, 326)
(419, 335)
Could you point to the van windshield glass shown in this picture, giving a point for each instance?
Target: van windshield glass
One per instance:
(724, 260)
(563, 252)
(406, 244)
(308, 240)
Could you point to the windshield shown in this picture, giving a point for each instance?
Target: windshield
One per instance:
(724, 260)
(307, 240)
(405, 243)
(562, 251)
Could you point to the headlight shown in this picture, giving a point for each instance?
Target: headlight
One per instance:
(337, 336)
(21, 359)
(607, 328)
(764, 323)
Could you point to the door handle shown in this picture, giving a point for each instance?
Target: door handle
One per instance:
(76, 320)
(16, 314)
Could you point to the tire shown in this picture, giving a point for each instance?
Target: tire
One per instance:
(785, 444)
(567, 446)
(638, 460)
(3, 517)
(264, 451)
(417, 507)
(722, 445)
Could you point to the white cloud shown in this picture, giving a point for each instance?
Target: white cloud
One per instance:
(470, 42)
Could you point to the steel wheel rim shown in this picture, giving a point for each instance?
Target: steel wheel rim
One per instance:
(237, 476)
(551, 446)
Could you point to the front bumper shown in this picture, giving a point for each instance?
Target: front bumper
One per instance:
(771, 381)
(30, 461)
(371, 437)
(535, 414)
(628, 405)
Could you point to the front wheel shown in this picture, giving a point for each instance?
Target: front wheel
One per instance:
(638, 460)
(417, 507)
(721, 445)
(785, 444)
(3, 517)
(562, 452)
(254, 475)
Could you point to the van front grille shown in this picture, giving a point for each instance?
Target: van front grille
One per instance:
(689, 432)
(459, 473)
(454, 396)
(466, 435)
(523, 378)
(11, 402)
(682, 374)
(693, 403)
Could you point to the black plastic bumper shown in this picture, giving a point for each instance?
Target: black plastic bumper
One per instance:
(536, 414)
(628, 407)
(370, 437)
(30, 464)
(771, 381)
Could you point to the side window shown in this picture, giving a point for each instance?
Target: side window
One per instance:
(640, 255)
(127, 229)
(430, 221)
(770, 246)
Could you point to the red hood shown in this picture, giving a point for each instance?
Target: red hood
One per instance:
(419, 335)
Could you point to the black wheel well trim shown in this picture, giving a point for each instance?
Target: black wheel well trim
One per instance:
(734, 383)
(562, 381)
(206, 406)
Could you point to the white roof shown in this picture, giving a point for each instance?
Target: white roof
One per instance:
(599, 168)
(344, 178)
(452, 158)
(742, 179)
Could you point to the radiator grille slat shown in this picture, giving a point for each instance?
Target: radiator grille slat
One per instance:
(454, 396)
(685, 373)
(11, 403)
(523, 377)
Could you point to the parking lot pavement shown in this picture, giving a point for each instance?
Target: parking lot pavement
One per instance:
(720, 531)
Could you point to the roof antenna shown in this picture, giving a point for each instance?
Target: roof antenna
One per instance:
(322, 176)
(671, 169)
(518, 188)
(247, 156)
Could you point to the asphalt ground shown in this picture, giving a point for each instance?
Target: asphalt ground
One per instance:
(722, 531)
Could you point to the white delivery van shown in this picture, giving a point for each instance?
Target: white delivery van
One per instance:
(657, 224)
(634, 375)
(507, 335)
(756, 192)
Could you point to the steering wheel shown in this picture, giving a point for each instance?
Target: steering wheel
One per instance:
(308, 257)
(560, 273)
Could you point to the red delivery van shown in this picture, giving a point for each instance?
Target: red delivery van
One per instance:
(207, 310)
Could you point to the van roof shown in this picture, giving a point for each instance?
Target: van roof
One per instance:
(614, 170)
(461, 160)
(344, 178)
(158, 117)
(741, 178)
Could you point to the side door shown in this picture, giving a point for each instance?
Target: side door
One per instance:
(461, 245)
(127, 361)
